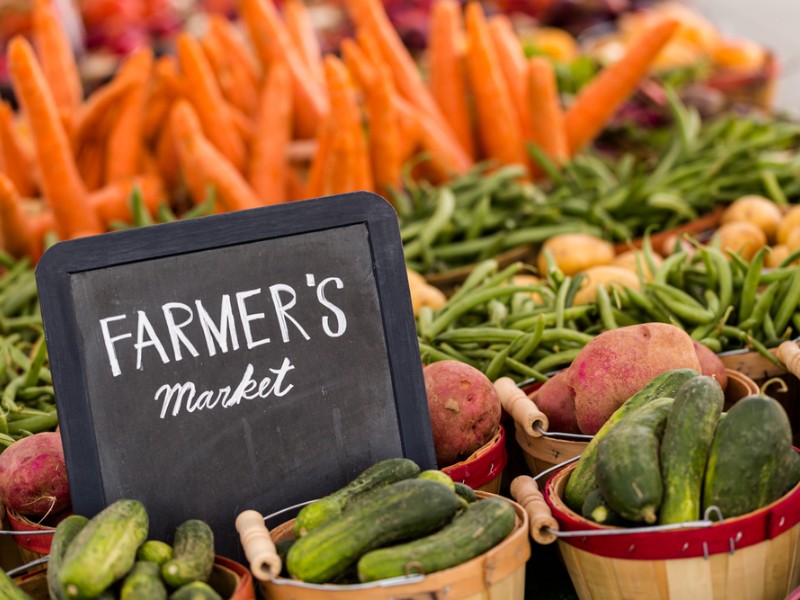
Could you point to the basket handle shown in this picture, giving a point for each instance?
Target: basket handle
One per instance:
(526, 492)
(521, 408)
(265, 564)
(789, 355)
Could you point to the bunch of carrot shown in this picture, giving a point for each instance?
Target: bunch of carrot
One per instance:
(230, 108)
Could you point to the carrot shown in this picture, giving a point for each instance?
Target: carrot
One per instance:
(408, 125)
(321, 159)
(112, 202)
(386, 149)
(15, 231)
(301, 30)
(126, 138)
(167, 159)
(446, 156)
(56, 57)
(200, 157)
(295, 187)
(358, 63)
(600, 99)
(546, 116)
(498, 125)
(342, 170)
(19, 160)
(90, 161)
(447, 69)
(238, 92)
(273, 42)
(204, 94)
(345, 112)
(239, 54)
(512, 64)
(61, 182)
(371, 15)
(267, 170)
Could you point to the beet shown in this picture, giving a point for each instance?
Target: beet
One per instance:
(33, 475)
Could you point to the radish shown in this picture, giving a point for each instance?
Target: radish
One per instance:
(33, 475)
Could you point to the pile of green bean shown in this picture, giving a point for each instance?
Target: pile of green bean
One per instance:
(27, 403)
(529, 331)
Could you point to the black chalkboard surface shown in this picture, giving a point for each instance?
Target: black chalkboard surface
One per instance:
(253, 359)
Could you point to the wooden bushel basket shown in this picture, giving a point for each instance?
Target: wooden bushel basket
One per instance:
(750, 556)
(542, 452)
(483, 470)
(498, 574)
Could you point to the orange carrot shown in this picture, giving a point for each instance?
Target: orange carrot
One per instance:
(512, 63)
(447, 69)
(371, 15)
(304, 36)
(267, 171)
(90, 161)
(599, 100)
(295, 187)
(498, 124)
(386, 149)
(20, 163)
(238, 92)
(345, 112)
(447, 157)
(273, 42)
(15, 231)
(408, 125)
(239, 54)
(358, 63)
(321, 159)
(56, 57)
(93, 119)
(546, 116)
(204, 94)
(112, 202)
(126, 138)
(200, 157)
(61, 182)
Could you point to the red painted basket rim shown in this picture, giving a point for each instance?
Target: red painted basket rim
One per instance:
(482, 468)
(39, 543)
(726, 536)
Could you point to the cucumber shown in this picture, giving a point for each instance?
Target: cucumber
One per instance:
(685, 447)
(466, 492)
(751, 457)
(378, 475)
(482, 526)
(155, 551)
(403, 510)
(104, 550)
(9, 589)
(197, 590)
(628, 472)
(66, 530)
(193, 550)
(143, 583)
(440, 476)
(583, 480)
(597, 509)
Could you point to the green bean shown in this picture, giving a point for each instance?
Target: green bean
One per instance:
(557, 359)
(33, 424)
(793, 256)
(10, 392)
(36, 391)
(543, 160)
(789, 304)
(681, 304)
(644, 303)
(497, 365)
(553, 335)
(762, 305)
(769, 327)
(561, 301)
(531, 340)
(21, 295)
(622, 318)
(604, 307)
(487, 335)
(467, 248)
(37, 362)
(661, 275)
(424, 322)
(434, 354)
(712, 344)
(776, 275)
(570, 314)
(452, 311)
(478, 274)
(539, 234)
(773, 188)
(712, 301)
(478, 218)
(748, 296)
(457, 354)
(525, 370)
(750, 341)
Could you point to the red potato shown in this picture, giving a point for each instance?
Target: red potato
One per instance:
(556, 399)
(711, 364)
(33, 475)
(618, 363)
(464, 408)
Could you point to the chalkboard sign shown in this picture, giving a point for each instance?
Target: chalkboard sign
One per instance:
(254, 359)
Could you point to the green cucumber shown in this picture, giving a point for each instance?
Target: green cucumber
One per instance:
(685, 447)
(378, 475)
(155, 551)
(582, 480)
(9, 590)
(402, 510)
(466, 492)
(197, 590)
(595, 508)
(440, 476)
(482, 526)
(193, 550)
(751, 457)
(66, 530)
(627, 469)
(143, 583)
(104, 550)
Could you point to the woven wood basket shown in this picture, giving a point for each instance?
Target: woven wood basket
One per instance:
(498, 574)
(483, 470)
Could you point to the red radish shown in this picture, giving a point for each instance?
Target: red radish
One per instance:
(33, 475)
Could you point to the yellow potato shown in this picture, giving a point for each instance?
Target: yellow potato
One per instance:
(527, 279)
(759, 211)
(608, 276)
(791, 220)
(630, 259)
(775, 258)
(740, 236)
(576, 252)
(423, 293)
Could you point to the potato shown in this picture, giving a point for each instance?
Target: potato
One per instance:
(557, 400)
(776, 256)
(711, 364)
(633, 260)
(576, 252)
(791, 220)
(742, 237)
(618, 363)
(606, 275)
(423, 293)
(761, 212)
(464, 408)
